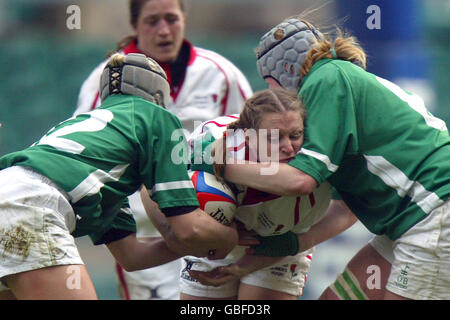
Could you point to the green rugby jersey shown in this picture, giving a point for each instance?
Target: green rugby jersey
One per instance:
(385, 154)
(101, 157)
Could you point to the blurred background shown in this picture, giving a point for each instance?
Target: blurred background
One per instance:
(43, 63)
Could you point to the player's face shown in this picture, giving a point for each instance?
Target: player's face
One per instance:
(289, 126)
(160, 29)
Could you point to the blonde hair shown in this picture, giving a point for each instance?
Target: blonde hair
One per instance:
(275, 100)
(345, 47)
(116, 60)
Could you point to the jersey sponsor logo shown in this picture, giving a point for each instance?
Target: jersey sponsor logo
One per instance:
(262, 212)
(266, 222)
(280, 271)
(402, 278)
(293, 270)
(185, 273)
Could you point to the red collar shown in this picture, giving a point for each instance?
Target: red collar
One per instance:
(132, 48)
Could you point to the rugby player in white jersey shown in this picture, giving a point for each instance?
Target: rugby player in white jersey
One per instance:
(275, 118)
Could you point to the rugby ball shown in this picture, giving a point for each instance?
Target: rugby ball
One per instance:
(215, 198)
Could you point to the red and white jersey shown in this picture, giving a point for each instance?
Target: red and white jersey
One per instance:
(265, 213)
(269, 214)
(212, 86)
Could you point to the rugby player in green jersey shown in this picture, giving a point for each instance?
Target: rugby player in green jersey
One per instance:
(75, 181)
(385, 155)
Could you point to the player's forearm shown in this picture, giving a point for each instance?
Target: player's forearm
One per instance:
(276, 178)
(195, 233)
(337, 219)
(158, 219)
(199, 234)
(153, 252)
(134, 253)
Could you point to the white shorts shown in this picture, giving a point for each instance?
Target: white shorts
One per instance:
(157, 283)
(36, 220)
(161, 282)
(384, 246)
(421, 266)
(288, 276)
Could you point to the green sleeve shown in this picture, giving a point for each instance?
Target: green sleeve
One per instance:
(201, 159)
(165, 171)
(122, 226)
(330, 132)
(335, 194)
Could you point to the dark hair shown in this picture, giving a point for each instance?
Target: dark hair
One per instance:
(135, 8)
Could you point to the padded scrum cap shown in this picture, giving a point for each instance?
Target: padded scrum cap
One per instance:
(139, 76)
(282, 51)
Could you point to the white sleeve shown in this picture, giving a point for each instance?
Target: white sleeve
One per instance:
(215, 127)
(239, 90)
(88, 97)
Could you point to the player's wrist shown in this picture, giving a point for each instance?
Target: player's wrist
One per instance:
(286, 244)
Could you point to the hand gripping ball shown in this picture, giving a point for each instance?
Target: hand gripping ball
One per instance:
(215, 198)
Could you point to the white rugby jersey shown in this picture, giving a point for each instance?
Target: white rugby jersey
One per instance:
(265, 213)
(212, 86)
(269, 214)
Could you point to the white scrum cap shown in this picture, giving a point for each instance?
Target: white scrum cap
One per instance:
(135, 74)
(282, 51)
